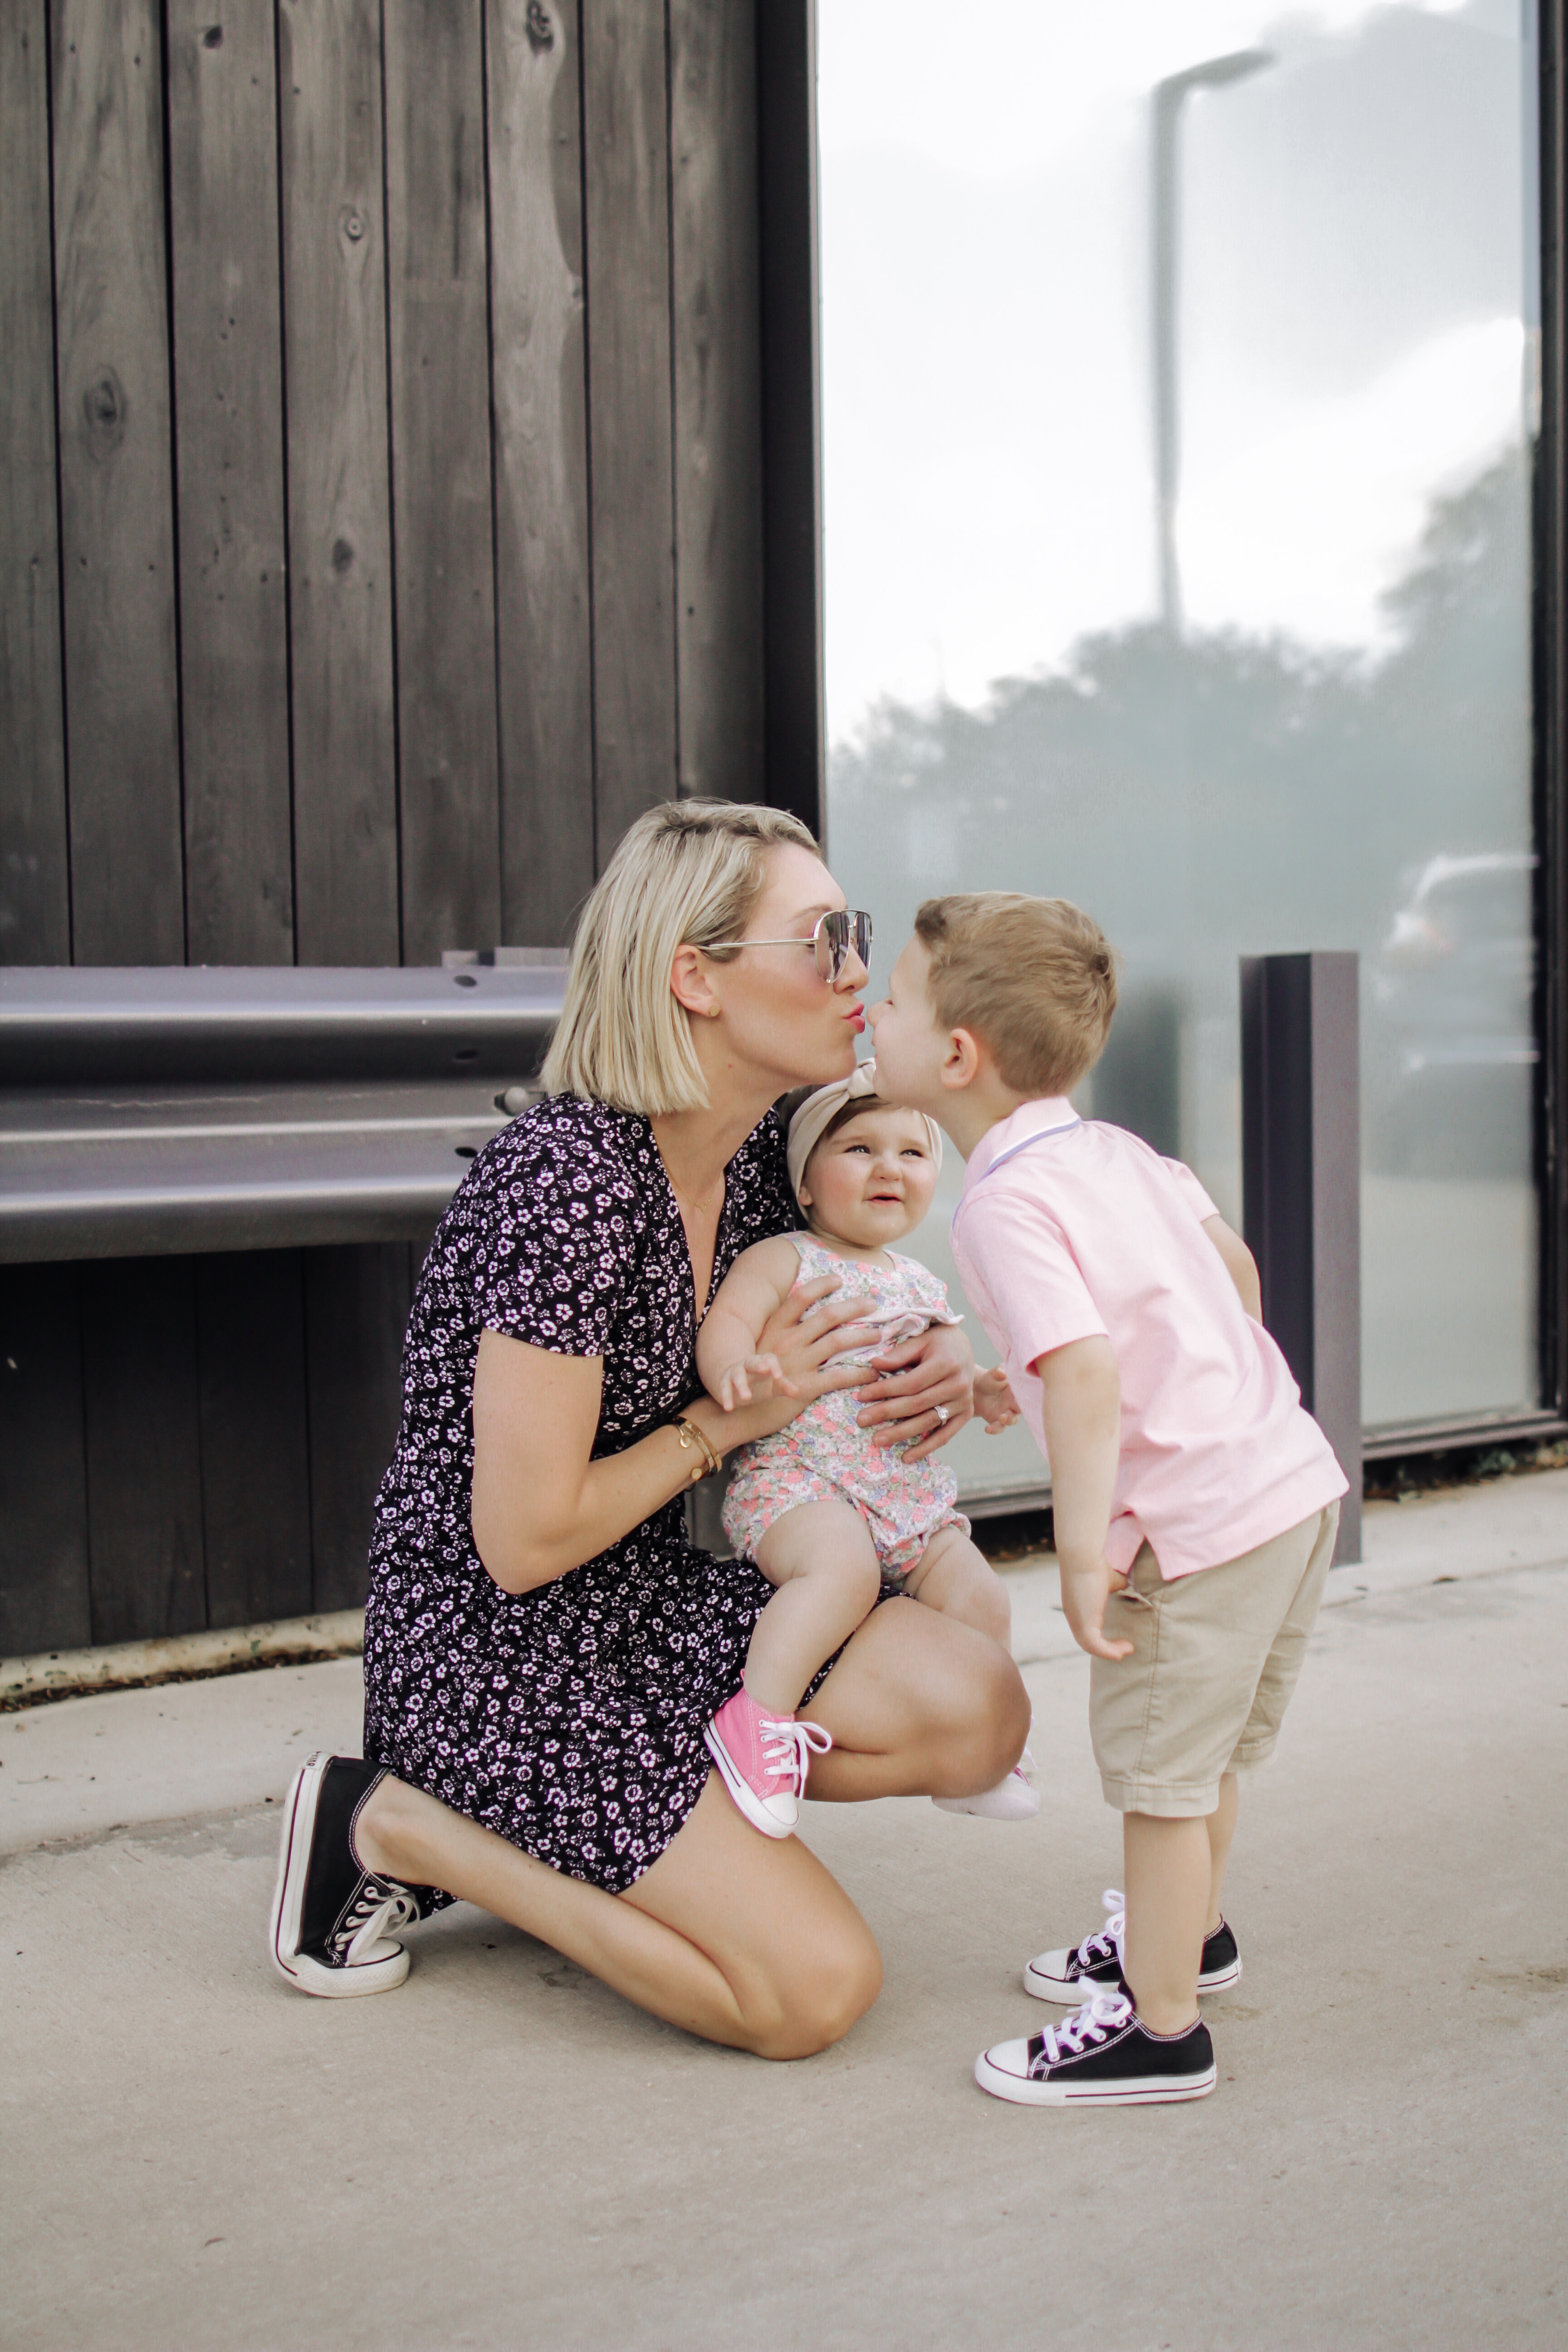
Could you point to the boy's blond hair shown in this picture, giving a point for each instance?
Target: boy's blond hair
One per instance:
(686, 873)
(1033, 979)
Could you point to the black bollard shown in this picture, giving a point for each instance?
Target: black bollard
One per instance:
(1300, 1127)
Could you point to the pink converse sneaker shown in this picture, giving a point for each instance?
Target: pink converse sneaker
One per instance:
(765, 1760)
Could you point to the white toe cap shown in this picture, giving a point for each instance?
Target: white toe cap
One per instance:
(1005, 2058)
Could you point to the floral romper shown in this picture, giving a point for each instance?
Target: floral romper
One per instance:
(825, 1456)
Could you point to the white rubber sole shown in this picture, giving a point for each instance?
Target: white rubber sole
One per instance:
(1149, 2091)
(387, 1963)
(1012, 1799)
(744, 1795)
(1041, 1985)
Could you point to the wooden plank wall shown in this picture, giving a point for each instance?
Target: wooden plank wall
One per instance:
(381, 504)
(381, 530)
(192, 1441)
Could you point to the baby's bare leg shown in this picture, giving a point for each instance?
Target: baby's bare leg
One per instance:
(954, 1576)
(822, 1560)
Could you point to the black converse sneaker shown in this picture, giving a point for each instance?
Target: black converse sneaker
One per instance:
(1104, 2055)
(1066, 1976)
(329, 1914)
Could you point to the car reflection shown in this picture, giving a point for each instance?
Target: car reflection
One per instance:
(1452, 1037)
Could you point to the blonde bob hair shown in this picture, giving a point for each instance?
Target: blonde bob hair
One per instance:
(687, 873)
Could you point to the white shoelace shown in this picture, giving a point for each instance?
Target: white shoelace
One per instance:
(788, 1748)
(1094, 2023)
(375, 1908)
(1107, 1941)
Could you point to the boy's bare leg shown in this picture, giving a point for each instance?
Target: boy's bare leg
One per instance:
(1221, 1827)
(1169, 1876)
(954, 1576)
(822, 1560)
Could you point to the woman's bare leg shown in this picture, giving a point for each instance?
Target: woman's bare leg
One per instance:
(918, 1706)
(743, 1939)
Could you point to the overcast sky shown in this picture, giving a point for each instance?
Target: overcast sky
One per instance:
(1354, 320)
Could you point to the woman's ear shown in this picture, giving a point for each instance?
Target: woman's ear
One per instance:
(691, 982)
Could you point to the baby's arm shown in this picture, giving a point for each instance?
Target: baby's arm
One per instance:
(1082, 1401)
(1239, 1264)
(755, 1287)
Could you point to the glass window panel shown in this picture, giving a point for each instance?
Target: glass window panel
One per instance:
(1270, 689)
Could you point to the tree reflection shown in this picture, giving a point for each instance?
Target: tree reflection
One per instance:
(1225, 794)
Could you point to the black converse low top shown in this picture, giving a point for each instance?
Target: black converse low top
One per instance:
(1067, 1976)
(330, 1917)
(1104, 2055)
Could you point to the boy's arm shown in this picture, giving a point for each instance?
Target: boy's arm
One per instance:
(755, 1287)
(1082, 1401)
(1239, 1264)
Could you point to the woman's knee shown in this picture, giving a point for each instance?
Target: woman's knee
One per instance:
(989, 1716)
(827, 1994)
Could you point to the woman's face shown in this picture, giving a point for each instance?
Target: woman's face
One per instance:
(782, 1023)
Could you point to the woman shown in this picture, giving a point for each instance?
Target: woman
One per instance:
(543, 1647)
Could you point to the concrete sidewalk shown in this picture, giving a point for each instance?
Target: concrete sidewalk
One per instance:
(502, 2154)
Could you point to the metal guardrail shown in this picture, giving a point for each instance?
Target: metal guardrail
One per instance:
(145, 1112)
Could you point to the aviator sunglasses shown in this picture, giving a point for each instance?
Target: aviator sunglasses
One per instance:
(836, 936)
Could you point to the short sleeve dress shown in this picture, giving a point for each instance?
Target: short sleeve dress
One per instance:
(570, 1718)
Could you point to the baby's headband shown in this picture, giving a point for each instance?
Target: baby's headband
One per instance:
(818, 1111)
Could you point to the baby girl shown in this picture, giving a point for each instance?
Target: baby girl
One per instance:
(832, 1519)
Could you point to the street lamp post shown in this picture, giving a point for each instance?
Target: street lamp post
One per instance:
(1169, 99)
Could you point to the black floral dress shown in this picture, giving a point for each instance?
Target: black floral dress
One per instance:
(569, 1718)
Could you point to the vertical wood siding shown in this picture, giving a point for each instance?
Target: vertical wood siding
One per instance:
(228, 398)
(381, 469)
(381, 531)
(625, 183)
(718, 395)
(539, 396)
(35, 875)
(438, 314)
(117, 536)
(339, 491)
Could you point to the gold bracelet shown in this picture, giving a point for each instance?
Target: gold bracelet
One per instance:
(691, 1435)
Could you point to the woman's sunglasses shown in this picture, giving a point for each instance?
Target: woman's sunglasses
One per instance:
(845, 931)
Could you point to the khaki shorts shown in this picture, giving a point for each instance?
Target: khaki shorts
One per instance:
(1215, 1660)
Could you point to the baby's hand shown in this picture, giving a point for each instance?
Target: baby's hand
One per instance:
(995, 1401)
(752, 1380)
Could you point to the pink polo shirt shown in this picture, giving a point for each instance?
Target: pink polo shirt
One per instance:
(1069, 1229)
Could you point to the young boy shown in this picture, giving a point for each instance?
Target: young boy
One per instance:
(1195, 1501)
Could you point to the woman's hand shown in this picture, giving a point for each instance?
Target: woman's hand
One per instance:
(803, 1334)
(928, 1395)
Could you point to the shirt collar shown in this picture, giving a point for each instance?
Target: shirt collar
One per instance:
(1029, 1121)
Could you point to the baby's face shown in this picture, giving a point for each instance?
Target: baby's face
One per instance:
(870, 1184)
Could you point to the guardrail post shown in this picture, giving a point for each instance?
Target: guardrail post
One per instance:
(1300, 1124)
